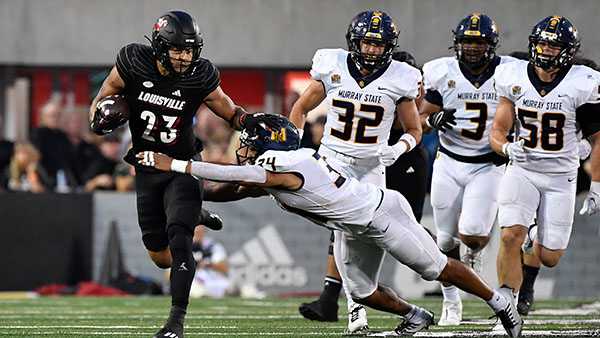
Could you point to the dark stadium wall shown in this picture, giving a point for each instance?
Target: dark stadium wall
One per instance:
(47, 238)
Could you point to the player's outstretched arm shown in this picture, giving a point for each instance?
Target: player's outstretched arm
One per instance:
(309, 100)
(228, 192)
(113, 84)
(251, 175)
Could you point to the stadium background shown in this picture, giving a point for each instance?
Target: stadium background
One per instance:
(263, 49)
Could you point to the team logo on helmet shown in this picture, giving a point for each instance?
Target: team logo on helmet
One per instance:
(160, 23)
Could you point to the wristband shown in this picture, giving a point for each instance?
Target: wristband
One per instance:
(179, 166)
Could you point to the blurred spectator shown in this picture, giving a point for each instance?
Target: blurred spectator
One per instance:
(215, 135)
(84, 153)
(99, 174)
(55, 148)
(24, 172)
(6, 153)
(307, 140)
(211, 278)
(124, 176)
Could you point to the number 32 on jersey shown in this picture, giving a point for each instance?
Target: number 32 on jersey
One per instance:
(347, 118)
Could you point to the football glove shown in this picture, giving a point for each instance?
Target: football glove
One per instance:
(585, 149)
(591, 204)
(515, 151)
(442, 120)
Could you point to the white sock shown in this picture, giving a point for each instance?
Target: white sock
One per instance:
(497, 302)
(349, 302)
(451, 293)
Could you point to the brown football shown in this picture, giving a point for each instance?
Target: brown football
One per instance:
(111, 112)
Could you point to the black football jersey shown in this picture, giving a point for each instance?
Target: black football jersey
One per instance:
(162, 108)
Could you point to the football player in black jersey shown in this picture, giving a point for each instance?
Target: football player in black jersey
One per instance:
(164, 85)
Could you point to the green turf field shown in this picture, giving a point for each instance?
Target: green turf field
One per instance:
(234, 317)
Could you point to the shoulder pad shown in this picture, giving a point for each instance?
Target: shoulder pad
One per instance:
(406, 79)
(507, 58)
(324, 62)
(434, 72)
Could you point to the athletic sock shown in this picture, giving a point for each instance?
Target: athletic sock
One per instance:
(331, 289)
(529, 276)
(497, 302)
(451, 293)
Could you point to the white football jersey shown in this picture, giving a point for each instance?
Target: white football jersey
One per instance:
(475, 105)
(326, 197)
(547, 121)
(361, 110)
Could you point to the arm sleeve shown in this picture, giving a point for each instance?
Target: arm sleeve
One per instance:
(229, 173)
(588, 117)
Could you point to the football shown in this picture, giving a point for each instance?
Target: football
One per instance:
(111, 112)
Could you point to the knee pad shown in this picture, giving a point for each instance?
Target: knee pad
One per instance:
(180, 238)
(446, 242)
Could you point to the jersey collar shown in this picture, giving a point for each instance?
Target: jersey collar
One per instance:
(361, 80)
(477, 80)
(543, 88)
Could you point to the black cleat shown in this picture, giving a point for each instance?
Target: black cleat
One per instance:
(170, 331)
(210, 220)
(525, 302)
(319, 310)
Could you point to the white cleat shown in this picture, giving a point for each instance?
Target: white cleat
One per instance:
(421, 320)
(451, 313)
(474, 260)
(510, 321)
(357, 321)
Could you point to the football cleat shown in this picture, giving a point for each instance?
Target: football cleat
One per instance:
(320, 310)
(170, 331)
(525, 302)
(357, 321)
(510, 321)
(420, 320)
(473, 259)
(451, 313)
(210, 220)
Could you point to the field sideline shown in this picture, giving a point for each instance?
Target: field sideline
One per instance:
(272, 317)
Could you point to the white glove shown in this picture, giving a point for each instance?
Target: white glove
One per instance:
(585, 149)
(515, 151)
(389, 154)
(591, 204)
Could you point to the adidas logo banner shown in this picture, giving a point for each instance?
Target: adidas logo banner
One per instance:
(265, 261)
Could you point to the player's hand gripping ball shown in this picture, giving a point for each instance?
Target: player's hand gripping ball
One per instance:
(111, 112)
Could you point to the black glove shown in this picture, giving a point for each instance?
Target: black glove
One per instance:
(103, 124)
(442, 120)
(249, 121)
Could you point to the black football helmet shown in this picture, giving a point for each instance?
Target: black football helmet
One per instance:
(176, 29)
(404, 56)
(375, 26)
(556, 31)
(270, 132)
(475, 27)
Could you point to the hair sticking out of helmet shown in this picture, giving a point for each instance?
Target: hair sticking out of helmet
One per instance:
(270, 132)
(556, 32)
(372, 27)
(176, 37)
(475, 40)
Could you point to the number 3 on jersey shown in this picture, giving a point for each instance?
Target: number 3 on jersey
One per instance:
(165, 136)
(363, 122)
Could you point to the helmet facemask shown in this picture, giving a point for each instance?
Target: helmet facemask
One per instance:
(246, 153)
(474, 52)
